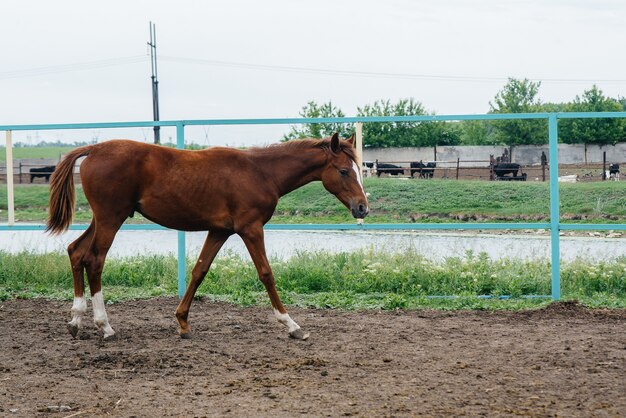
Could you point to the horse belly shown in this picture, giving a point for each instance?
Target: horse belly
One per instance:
(184, 214)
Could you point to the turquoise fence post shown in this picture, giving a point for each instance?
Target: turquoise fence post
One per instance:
(182, 259)
(554, 206)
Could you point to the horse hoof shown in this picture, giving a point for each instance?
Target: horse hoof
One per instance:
(73, 329)
(186, 336)
(111, 337)
(298, 334)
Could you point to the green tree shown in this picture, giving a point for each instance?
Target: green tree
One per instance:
(404, 134)
(477, 132)
(600, 131)
(320, 130)
(519, 96)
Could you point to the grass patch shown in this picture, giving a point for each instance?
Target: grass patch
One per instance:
(355, 280)
(36, 152)
(397, 201)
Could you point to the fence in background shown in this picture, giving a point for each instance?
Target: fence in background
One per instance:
(555, 226)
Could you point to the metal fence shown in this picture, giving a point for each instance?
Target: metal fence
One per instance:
(555, 225)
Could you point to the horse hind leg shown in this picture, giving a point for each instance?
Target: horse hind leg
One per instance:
(211, 247)
(76, 250)
(94, 263)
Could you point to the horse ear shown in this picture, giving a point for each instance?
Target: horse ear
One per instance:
(334, 143)
(351, 140)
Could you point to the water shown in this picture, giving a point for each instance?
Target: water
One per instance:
(284, 244)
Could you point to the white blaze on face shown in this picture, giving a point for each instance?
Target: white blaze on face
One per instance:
(79, 307)
(286, 320)
(355, 167)
(100, 315)
(358, 175)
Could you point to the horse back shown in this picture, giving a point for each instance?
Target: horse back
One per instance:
(190, 190)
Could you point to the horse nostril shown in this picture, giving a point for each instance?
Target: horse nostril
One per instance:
(362, 209)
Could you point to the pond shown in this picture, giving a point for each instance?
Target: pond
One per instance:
(284, 244)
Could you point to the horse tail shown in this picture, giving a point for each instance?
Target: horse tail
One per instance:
(62, 194)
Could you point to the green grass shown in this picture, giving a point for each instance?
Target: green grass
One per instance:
(395, 201)
(36, 152)
(356, 280)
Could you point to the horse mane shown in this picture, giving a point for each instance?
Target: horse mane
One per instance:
(305, 144)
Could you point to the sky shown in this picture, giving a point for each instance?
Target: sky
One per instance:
(70, 61)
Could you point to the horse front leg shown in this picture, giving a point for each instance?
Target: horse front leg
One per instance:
(211, 247)
(253, 238)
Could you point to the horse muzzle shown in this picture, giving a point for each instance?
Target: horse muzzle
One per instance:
(360, 210)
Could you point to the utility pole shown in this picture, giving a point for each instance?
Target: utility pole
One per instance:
(155, 82)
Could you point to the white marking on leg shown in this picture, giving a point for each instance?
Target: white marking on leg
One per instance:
(100, 315)
(79, 307)
(286, 320)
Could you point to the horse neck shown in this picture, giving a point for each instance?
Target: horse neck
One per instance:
(291, 169)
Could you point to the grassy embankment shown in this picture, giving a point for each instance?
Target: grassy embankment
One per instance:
(35, 152)
(394, 201)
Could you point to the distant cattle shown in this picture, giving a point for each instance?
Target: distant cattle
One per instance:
(613, 171)
(502, 169)
(45, 172)
(426, 171)
(391, 169)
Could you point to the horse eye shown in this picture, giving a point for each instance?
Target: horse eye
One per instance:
(343, 172)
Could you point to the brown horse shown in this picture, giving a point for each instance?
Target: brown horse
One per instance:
(220, 190)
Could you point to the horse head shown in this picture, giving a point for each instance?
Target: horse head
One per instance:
(342, 176)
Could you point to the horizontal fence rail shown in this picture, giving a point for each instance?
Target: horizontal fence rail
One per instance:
(555, 226)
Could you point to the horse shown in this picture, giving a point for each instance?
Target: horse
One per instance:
(220, 190)
(44, 172)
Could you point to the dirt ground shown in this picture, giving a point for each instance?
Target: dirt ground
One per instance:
(564, 360)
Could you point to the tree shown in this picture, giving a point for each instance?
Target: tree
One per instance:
(404, 134)
(477, 132)
(600, 131)
(319, 130)
(519, 96)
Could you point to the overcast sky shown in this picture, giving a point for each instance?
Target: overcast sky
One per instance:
(82, 61)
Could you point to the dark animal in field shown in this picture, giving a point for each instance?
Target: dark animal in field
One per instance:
(502, 169)
(223, 191)
(391, 169)
(614, 171)
(426, 171)
(522, 177)
(42, 172)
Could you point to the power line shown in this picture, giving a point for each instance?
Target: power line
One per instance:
(90, 65)
(356, 73)
(31, 72)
